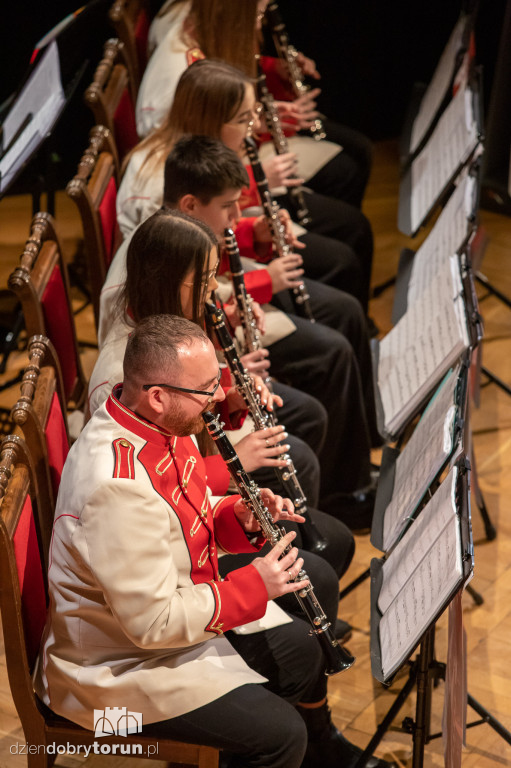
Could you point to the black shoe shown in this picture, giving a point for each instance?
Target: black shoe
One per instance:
(342, 630)
(353, 509)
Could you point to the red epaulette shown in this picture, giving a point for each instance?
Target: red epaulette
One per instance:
(124, 453)
(194, 54)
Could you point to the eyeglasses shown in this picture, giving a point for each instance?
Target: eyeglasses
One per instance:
(184, 389)
(206, 278)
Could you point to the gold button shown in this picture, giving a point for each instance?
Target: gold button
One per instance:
(124, 444)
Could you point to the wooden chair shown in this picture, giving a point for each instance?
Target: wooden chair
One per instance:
(41, 416)
(23, 605)
(94, 190)
(130, 19)
(41, 284)
(110, 99)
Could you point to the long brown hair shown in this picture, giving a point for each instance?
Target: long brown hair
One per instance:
(226, 29)
(208, 95)
(163, 249)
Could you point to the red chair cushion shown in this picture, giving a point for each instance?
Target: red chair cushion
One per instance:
(56, 441)
(124, 125)
(141, 36)
(59, 328)
(30, 575)
(108, 218)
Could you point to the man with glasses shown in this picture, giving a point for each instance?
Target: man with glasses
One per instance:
(138, 611)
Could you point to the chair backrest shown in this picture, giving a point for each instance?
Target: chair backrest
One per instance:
(110, 99)
(41, 284)
(130, 19)
(23, 593)
(94, 190)
(23, 607)
(40, 414)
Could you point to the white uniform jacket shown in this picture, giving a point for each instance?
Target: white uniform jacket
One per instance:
(137, 608)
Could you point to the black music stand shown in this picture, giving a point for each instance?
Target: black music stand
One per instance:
(424, 669)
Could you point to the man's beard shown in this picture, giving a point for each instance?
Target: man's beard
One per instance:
(177, 423)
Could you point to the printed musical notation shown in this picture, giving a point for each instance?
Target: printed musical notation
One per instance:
(439, 85)
(447, 237)
(419, 576)
(429, 447)
(451, 144)
(420, 349)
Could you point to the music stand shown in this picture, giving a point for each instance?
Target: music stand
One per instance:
(455, 140)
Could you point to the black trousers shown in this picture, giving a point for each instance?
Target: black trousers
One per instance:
(306, 422)
(257, 727)
(354, 164)
(257, 724)
(321, 360)
(334, 263)
(339, 221)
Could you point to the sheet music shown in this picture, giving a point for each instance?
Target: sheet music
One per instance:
(35, 110)
(421, 573)
(439, 85)
(446, 238)
(451, 144)
(422, 458)
(424, 344)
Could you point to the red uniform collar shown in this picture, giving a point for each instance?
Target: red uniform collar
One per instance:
(135, 423)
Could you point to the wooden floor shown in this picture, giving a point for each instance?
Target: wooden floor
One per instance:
(357, 700)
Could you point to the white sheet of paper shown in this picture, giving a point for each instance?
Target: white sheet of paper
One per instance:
(420, 349)
(43, 98)
(438, 85)
(420, 574)
(422, 458)
(445, 239)
(450, 145)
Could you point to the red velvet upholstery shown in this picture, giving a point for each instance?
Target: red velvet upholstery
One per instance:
(141, 36)
(56, 442)
(108, 217)
(28, 564)
(59, 327)
(124, 125)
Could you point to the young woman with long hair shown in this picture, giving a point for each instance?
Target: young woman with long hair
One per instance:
(171, 269)
(217, 100)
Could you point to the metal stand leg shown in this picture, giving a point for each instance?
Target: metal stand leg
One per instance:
(489, 528)
(493, 379)
(487, 718)
(354, 584)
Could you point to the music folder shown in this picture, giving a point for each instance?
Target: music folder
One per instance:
(428, 101)
(451, 233)
(411, 588)
(406, 476)
(454, 141)
(411, 360)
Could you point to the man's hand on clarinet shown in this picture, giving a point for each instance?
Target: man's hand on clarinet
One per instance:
(276, 573)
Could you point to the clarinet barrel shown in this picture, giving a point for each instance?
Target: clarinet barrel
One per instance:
(336, 657)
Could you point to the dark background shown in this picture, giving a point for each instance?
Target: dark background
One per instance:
(369, 53)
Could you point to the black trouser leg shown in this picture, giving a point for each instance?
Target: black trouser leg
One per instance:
(258, 728)
(321, 361)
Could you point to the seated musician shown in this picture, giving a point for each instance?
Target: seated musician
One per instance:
(138, 615)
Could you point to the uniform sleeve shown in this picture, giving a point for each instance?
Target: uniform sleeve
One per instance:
(229, 533)
(140, 193)
(131, 553)
(281, 89)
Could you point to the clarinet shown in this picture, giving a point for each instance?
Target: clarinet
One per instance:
(271, 209)
(336, 657)
(288, 55)
(281, 145)
(243, 299)
(313, 540)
